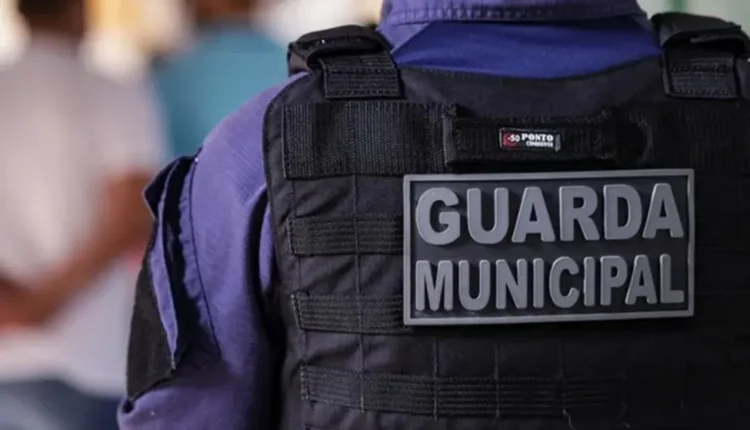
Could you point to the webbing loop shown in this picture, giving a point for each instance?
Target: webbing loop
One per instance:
(355, 61)
(703, 56)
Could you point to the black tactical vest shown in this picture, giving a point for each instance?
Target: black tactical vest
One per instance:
(376, 341)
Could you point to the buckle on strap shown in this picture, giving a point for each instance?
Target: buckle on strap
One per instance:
(681, 30)
(355, 61)
(340, 41)
(703, 56)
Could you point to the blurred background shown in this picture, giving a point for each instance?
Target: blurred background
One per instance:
(126, 33)
(148, 82)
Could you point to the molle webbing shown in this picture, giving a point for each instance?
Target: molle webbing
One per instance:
(366, 315)
(703, 56)
(364, 234)
(509, 397)
(719, 154)
(355, 62)
(349, 138)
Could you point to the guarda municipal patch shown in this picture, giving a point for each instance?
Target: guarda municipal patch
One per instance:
(548, 247)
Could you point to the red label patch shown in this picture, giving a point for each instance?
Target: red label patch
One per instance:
(530, 140)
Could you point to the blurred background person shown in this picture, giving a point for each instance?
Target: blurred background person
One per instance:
(231, 60)
(11, 32)
(77, 150)
(287, 20)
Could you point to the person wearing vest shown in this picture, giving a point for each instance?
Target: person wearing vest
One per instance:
(490, 214)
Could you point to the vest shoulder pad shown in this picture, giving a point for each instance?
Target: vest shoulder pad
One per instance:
(676, 29)
(349, 40)
(704, 57)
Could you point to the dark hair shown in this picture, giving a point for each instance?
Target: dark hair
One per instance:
(46, 8)
(236, 4)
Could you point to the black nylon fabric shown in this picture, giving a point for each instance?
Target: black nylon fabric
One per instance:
(147, 366)
(355, 62)
(703, 56)
(351, 364)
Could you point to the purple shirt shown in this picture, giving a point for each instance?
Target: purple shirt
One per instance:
(225, 227)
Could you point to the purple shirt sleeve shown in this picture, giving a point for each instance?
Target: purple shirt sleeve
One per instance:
(226, 231)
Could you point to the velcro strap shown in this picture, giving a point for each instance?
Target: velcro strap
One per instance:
(702, 56)
(477, 396)
(677, 29)
(360, 76)
(346, 40)
(701, 75)
(708, 137)
(646, 400)
(478, 141)
(722, 307)
(363, 234)
(350, 313)
(355, 61)
(378, 138)
(393, 138)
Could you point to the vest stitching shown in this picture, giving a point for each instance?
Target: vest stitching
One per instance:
(496, 374)
(436, 381)
(303, 339)
(685, 373)
(561, 382)
(624, 387)
(357, 275)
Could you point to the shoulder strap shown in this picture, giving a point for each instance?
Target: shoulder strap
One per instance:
(704, 57)
(355, 61)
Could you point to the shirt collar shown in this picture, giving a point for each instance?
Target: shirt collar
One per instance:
(398, 12)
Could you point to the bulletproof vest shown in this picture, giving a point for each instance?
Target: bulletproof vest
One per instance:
(463, 251)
